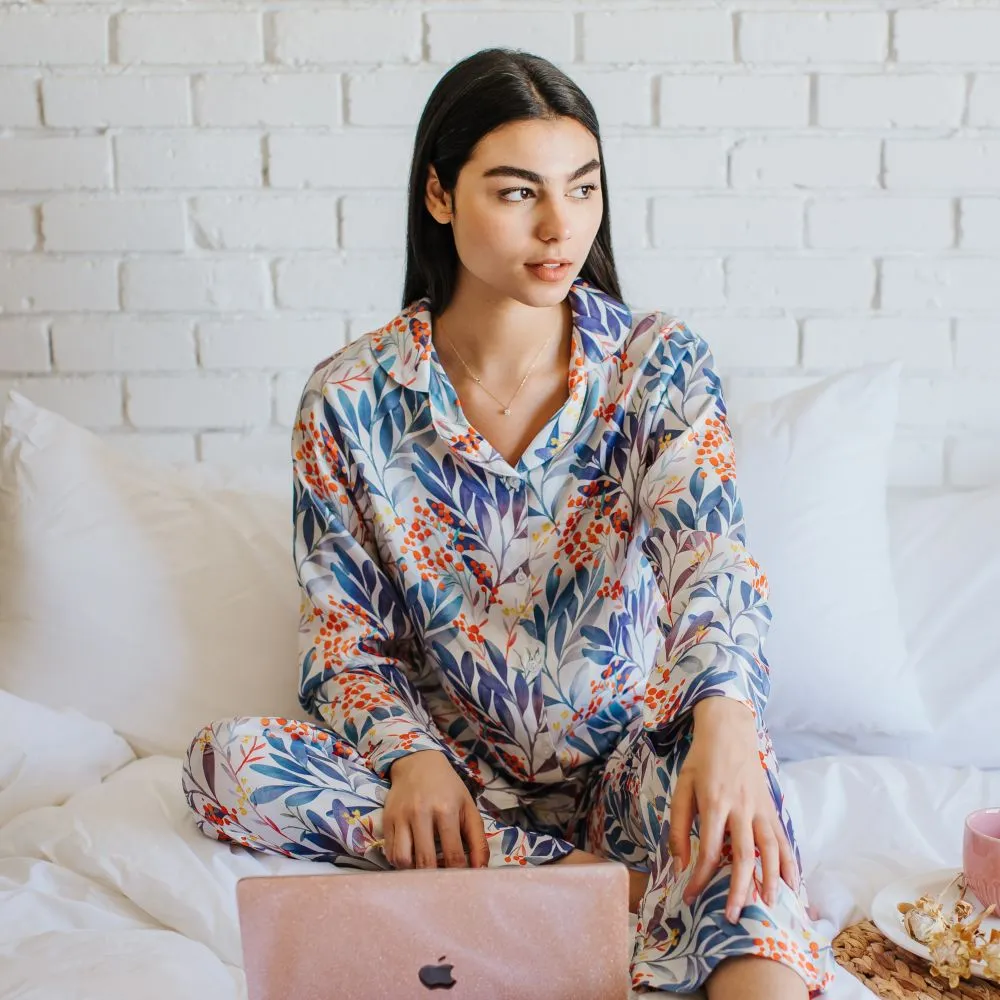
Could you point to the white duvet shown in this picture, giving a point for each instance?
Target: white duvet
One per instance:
(114, 894)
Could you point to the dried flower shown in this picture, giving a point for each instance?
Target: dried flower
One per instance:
(922, 919)
(951, 953)
(955, 942)
(989, 955)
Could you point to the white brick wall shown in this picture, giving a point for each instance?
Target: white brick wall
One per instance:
(189, 38)
(198, 202)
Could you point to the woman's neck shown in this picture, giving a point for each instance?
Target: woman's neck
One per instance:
(497, 336)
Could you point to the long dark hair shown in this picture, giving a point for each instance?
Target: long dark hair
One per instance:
(482, 92)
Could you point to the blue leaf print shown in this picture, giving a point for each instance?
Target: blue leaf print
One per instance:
(302, 798)
(446, 613)
(620, 454)
(626, 641)
(710, 502)
(551, 585)
(697, 488)
(502, 709)
(387, 604)
(263, 794)
(560, 637)
(385, 437)
(291, 773)
(468, 669)
(509, 840)
(615, 626)
(347, 410)
(299, 750)
(308, 525)
(565, 601)
(499, 665)
(485, 693)
(672, 521)
(365, 410)
(619, 713)
(402, 490)
(502, 498)
(602, 657)
(476, 486)
(521, 692)
(540, 626)
(320, 823)
(482, 518)
(398, 414)
(685, 514)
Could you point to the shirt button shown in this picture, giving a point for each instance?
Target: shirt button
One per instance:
(521, 578)
(511, 482)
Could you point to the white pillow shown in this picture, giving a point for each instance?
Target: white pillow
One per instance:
(812, 468)
(46, 756)
(134, 594)
(946, 560)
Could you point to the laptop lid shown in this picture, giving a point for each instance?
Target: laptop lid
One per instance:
(519, 933)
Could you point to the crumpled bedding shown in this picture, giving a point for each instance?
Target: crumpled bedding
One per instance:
(114, 893)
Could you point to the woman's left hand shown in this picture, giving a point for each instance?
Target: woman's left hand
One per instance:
(722, 781)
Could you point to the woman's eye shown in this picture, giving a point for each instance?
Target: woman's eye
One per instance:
(503, 194)
(515, 201)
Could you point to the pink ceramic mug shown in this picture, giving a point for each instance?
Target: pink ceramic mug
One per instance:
(981, 855)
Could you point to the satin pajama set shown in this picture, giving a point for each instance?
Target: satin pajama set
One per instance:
(548, 626)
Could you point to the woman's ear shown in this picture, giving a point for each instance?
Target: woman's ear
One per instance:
(437, 200)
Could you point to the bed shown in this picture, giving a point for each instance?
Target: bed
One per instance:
(109, 663)
(115, 894)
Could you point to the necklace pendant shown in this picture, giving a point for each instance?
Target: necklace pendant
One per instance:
(506, 412)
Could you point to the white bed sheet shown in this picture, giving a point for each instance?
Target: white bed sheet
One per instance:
(115, 894)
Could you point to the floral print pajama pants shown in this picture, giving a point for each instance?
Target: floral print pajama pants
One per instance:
(295, 789)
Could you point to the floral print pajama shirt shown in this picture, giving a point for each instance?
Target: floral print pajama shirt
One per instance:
(548, 626)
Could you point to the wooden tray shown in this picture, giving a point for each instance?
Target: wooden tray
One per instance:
(892, 972)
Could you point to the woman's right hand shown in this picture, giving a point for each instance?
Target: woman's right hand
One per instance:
(427, 797)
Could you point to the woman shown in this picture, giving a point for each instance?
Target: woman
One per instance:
(531, 628)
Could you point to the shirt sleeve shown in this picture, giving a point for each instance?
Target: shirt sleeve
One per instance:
(715, 614)
(352, 618)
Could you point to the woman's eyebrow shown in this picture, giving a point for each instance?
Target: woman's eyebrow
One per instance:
(530, 175)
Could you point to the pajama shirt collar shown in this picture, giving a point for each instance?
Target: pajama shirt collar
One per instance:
(404, 350)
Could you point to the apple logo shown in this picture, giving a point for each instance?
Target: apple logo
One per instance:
(437, 977)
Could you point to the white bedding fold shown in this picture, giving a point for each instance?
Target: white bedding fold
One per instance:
(46, 755)
(135, 834)
(116, 890)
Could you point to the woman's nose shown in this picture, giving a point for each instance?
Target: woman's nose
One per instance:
(554, 223)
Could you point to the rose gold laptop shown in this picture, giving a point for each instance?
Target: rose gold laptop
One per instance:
(516, 933)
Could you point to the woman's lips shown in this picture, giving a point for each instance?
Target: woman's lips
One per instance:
(549, 273)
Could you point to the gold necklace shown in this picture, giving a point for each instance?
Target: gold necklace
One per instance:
(479, 381)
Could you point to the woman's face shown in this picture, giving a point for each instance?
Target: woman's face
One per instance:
(531, 191)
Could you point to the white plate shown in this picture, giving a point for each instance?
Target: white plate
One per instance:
(889, 920)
